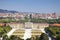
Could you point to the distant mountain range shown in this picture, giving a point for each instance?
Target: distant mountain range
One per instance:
(12, 11)
(7, 11)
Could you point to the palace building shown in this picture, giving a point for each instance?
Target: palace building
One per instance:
(35, 28)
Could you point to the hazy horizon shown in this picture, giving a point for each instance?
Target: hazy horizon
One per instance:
(38, 6)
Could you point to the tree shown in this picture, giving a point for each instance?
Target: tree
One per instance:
(58, 37)
(43, 37)
(28, 39)
(15, 38)
(5, 37)
(37, 38)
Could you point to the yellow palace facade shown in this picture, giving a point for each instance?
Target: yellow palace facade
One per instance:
(35, 28)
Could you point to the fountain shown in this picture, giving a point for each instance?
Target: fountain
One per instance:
(27, 34)
(28, 28)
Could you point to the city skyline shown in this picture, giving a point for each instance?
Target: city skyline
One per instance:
(39, 6)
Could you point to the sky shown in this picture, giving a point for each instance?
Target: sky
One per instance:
(39, 6)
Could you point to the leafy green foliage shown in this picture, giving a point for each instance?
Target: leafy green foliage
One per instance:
(38, 20)
(5, 37)
(50, 21)
(4, 29)
(53, 31)
(43, 37)
(26, 19)
(58, 37)
(14, 38)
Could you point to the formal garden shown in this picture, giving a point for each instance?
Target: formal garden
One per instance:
(54, 32)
